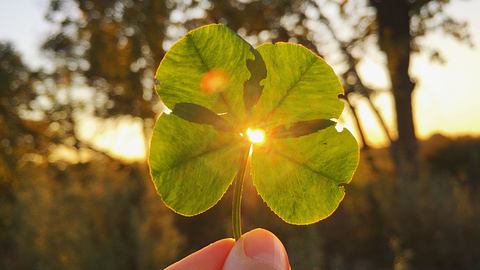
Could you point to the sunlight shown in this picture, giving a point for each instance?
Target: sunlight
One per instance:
(214, 81)
(121, 137)
(256, 136)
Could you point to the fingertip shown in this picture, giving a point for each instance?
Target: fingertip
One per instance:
(258, 249)
(211, 257)
(226, 243)
(260, 242)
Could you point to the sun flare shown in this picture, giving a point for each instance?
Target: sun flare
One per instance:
(256, 136)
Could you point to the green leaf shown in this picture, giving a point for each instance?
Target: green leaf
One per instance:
(301, 179)
(300, 86)
(188, 164)
(206, 67)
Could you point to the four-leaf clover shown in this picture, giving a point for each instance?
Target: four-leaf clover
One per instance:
(234, 106)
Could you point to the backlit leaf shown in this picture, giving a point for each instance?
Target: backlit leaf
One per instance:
(213, 57)
(282, 91)
(299, 86)
(187, 164)
(299, 177)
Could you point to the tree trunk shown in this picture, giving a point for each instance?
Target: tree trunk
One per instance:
(394, 38)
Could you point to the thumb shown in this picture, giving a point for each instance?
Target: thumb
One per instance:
(257, 249)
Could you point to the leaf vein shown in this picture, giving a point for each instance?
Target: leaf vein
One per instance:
(207, 68)
(287, 93)
(197, 51)
(303, 164)
(199, 155)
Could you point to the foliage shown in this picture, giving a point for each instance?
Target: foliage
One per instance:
(30, 117)
(59, 215)
(458, 158)
(70, 221)
(297, 171)
(114, 47)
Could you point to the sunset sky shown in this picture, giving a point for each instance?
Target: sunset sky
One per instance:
(446, 99)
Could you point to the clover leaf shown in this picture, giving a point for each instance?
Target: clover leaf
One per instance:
(234, 106)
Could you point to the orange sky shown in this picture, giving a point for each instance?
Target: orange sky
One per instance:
(446, 98)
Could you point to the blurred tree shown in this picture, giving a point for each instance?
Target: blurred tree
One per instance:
(113, 46)
(400, 24)
(36, 114)
(90, 212)
(30, 122)
(14, 79)
(36, 118)
(16, 99)
(89, 216)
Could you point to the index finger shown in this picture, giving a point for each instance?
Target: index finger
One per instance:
(211, 257)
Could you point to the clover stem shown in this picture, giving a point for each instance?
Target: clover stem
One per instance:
(237, 194)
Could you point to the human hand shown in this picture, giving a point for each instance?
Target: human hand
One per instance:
(258, 249)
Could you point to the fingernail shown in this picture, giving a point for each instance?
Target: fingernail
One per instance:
(262, 246)
(258, 249)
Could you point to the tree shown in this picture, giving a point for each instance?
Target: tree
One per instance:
(114, 47)
(30, 120)
(79, 213)
(399, 26)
